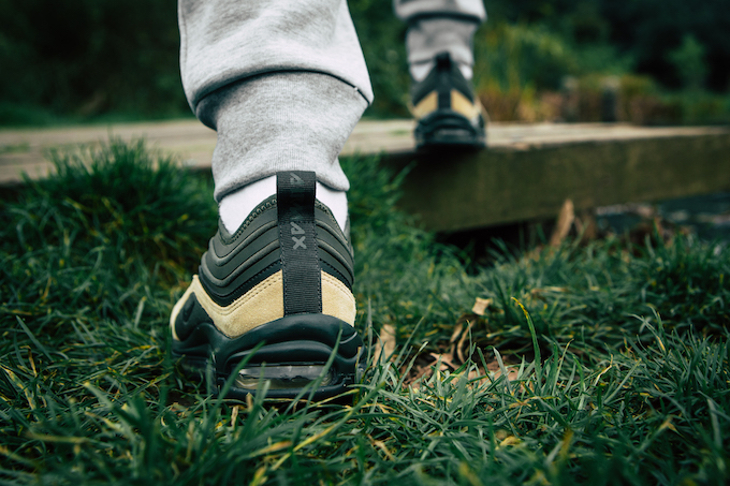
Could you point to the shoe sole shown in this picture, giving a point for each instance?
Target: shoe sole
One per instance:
(290, 353)
(447, 128)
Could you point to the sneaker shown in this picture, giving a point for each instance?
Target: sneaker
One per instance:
(447, 112)
(283, 281)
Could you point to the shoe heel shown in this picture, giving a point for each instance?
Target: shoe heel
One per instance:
(295, 354)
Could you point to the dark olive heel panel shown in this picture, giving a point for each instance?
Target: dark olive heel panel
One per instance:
(191, 315)
(447, 127)
(444, 77)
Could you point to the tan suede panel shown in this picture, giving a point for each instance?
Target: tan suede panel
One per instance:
(337, 300)
(427, 105)
(265, 303)
(461, 104)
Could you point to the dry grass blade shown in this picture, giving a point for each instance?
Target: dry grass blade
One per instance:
(385, 346)
(464, 343)
(480, 306)
(564, 223)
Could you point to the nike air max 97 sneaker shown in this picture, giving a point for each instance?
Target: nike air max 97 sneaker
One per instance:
(282, 281)
(446, 110)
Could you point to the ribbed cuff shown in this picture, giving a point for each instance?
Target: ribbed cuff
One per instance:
(410, 10)
(429, 36)
(280, 121)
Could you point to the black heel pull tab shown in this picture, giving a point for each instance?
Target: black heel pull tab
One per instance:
(443, 61)
(300, 267)
(443, 82)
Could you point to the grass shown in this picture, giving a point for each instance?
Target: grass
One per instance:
(32, 115)
(620, 354)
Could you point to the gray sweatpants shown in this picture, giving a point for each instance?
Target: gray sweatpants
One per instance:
(284, 82)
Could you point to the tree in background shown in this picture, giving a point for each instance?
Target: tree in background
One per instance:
(689, 63)
(652, 29)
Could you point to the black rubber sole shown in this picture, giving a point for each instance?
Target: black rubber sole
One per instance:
(292, 355)
(447, 128)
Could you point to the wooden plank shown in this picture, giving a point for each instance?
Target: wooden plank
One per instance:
(193, 144)
(25, 150)
(502, 185)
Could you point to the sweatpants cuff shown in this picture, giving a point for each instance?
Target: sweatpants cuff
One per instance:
(286, 120)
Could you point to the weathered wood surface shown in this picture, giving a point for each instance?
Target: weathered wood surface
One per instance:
(526, 172)
(25, 150)
(504, 185)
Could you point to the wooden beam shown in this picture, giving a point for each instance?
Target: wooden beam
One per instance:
(451, 192)
(526, 173)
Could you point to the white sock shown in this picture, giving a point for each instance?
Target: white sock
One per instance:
(236, 206)
(336, 201)
(429, 36)
(420, 70)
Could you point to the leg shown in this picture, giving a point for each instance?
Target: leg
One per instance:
(436, 26)
(283, 83)
(440, 57)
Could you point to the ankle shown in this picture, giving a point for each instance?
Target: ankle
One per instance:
(236, 206)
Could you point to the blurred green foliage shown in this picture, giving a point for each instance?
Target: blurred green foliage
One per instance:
(652, 29)
(688, 62)
(382, 37)
(83, 59)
